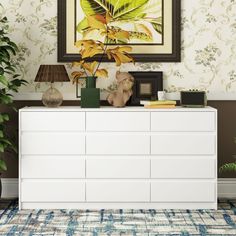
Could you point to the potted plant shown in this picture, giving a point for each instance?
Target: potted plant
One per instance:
(9, 82)
(89, 48)
(229, 166)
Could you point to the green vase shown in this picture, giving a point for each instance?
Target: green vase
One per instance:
(90, 96)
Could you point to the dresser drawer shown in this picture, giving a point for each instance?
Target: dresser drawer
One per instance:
(52, 121)
(118, 144)
(184, 143)
(183, 167)
(183, 121)
(118, 191)
(183, 191)
(117, 121)
(118, 167)
(58, 143)
(46, 167)
(52, 191)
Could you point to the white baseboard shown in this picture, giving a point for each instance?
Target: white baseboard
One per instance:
(9, 188)
(226, 188)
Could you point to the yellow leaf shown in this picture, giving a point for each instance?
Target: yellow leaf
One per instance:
(90, 52)
(90, 67)
(94, 23)
(84, 43)
(124, 49)
(108, 17)
(77, 75)
(102, 73)
(143, 28)
(77, 63)
(120, 54)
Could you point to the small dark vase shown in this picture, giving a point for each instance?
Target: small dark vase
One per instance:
(90, 96)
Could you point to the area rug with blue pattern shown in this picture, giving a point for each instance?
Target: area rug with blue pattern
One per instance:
(119, 222)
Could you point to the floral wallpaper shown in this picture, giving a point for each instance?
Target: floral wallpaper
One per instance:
(208, 47)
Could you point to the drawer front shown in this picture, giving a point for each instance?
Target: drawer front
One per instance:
(118, 144)
(189, 144)
(120, 191)
(183, 191)
(52, 191)
(118, 121)
(183, 121)
(118, 167)
(44, 143)
(183, 167)
(53, 121)
(46, 167)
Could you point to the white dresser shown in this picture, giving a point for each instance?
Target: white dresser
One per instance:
(117, 158)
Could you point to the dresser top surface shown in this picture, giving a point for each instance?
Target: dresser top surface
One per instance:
(113, 109)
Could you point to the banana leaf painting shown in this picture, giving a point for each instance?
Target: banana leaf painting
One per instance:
(151, 27)
(141, 18)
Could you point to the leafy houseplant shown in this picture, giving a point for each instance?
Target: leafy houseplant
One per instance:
(89, 48)
(9, 82)
(229, 166)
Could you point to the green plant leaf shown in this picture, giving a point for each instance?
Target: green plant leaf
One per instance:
(4, 117)
(2, 147)
(228, 167)
(3, 166)
(3, 80)
(5, 98)
(8, 48)
(83, 25)
(157, 24)
(118, 9)
(1, 70)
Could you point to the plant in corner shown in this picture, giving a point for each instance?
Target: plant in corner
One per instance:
(229, 166)
(90, 49)
(9, 82)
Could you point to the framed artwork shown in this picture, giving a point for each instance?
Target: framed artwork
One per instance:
(153, 26)
(146, 86)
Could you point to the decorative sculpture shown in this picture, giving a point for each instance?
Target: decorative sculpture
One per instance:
(122, 94)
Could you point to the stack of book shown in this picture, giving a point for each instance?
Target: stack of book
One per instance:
(158, 104)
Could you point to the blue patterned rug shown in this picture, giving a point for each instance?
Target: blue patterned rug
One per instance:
(119, 222)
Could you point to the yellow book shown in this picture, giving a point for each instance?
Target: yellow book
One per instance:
(159, 106)
(165, 102)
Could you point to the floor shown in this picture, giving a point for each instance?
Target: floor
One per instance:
(118, 222)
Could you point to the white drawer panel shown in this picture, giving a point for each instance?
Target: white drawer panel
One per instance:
(118, 191)
(183, 167)
(45, 167)
(53, 121)
(183, 191)
(52, 191)
(118, 167)
(118, 144)
(52, 143)
(118, 121)
(183, 121)
(175, 144)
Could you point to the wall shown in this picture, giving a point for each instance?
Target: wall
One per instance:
(208, 46)
(208, 58)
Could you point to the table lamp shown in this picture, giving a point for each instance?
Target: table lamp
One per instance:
(52, 73)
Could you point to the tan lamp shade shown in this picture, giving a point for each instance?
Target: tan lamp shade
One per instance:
(52, 73)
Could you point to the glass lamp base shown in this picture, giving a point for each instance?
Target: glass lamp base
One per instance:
(52, 98)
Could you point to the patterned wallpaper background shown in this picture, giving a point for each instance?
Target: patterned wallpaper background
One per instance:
(208, 47)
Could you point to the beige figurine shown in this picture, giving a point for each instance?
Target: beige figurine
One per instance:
(120, 97)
